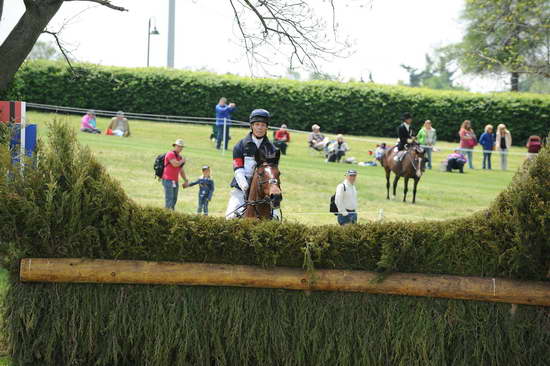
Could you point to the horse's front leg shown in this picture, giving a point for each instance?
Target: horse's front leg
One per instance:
(388, 184)
(405, 189)
(395, 180)
(416, 180)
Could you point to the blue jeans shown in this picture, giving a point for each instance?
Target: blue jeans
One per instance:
(203, 205)
(351, 218)
(486, 160)
(170, 193)
(428, 150)
(219, 136)
(469, 155)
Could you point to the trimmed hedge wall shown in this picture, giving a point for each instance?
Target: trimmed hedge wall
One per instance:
(70, 207)
(351, 108)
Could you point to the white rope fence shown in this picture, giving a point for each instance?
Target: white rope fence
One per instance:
(212, 121)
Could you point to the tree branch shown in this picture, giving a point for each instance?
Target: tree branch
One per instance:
(106, 3)
(61, 48)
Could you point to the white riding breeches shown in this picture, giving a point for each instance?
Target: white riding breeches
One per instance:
(235, 201)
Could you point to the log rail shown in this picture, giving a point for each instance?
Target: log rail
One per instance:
(74, 270)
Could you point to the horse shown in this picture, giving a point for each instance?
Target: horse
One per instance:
(264, 194)
(412, 165)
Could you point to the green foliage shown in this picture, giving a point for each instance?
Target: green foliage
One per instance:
(70, 324)
(70, 207)
(510, 36)
(350, 108)
(44, 51)
(436, 74)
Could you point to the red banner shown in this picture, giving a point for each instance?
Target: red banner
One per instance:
(10, 112)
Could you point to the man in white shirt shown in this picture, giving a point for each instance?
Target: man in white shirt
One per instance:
(346, 199)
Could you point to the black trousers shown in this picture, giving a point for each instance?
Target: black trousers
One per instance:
(455, 164)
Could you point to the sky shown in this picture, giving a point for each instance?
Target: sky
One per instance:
(385, 34)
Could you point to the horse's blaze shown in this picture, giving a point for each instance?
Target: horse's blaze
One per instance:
(419, 168)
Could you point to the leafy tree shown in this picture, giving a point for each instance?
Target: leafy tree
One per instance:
(44, 51)
(436, 74)
(535, 84)
(505, 37)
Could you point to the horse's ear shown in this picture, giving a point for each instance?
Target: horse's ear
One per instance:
(259, 157)
(274, 157)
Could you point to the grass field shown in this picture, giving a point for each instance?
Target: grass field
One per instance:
(307, 181)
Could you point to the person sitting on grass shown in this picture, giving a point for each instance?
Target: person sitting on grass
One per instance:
(206, 190)
(88, 123)
(337, 149)
(119, 125)
(316, 139)
(380, 151)
(281, 139)
(456, 160)
(534, 144)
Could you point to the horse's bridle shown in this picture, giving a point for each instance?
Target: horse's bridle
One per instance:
(265, 200)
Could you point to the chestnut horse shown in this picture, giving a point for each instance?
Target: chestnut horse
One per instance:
(264, 194)
(411, 166)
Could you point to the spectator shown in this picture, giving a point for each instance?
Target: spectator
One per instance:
(281, 139)
(503, 143)
(119, 125)
(346, 199)
(487, 141)
(427, 137)
(337, 149)
(223, 116)
(88, 123)
(206, 190)
(534, 144)
(173, 168)
(468, 141)
(316, 139)
(380, 151)
(456, 160)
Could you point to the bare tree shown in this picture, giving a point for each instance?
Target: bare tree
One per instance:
(287, 27)
(24, 35)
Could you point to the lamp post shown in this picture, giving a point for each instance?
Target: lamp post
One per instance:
(149, 32)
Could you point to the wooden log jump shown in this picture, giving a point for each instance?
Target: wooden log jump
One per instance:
(202, 274)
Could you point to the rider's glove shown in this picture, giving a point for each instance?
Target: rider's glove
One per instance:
(241, 179)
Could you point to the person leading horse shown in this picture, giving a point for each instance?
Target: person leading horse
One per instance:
(245, 161)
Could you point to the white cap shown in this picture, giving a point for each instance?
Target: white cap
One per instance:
(179, 142)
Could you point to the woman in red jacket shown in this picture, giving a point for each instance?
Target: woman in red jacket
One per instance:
(282, 138)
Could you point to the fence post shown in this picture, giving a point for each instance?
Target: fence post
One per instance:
(224, 135)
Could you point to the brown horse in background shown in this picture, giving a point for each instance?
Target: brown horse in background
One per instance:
(264, 194)
(411, 166)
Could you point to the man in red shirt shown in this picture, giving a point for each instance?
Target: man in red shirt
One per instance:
(282, 138)
(173, 168)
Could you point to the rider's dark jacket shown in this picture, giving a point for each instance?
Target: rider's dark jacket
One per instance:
(403, 134)
(244, 154)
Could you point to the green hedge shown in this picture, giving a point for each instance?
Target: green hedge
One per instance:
(70, 207)
(354, 108)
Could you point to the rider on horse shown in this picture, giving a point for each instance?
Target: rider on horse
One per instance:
(244, 161)
(405, 135)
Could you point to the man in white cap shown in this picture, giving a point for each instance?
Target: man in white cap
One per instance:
(346, 199)
(173, 169)
(119, 125)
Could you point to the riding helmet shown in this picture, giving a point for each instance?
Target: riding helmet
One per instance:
(259, 115)
(406, 116)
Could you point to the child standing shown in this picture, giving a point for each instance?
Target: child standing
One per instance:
(206, 190)
(487, 140)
